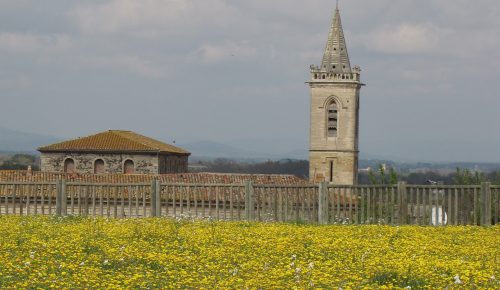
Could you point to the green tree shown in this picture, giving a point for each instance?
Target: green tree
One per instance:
(494, 177)
(394, 176)
(466, 177)
(383, 177)
(20, 162)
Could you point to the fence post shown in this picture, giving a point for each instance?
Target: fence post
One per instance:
(403, 205)
(158, 198)
(323, 203)
(61, 204)
(58, 197)
(153, 197)
(249, 201)
(486, 204)
(64, 199)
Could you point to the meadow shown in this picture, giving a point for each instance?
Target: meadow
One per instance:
(85, 253)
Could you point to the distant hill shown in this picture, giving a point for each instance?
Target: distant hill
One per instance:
(17, 141)
(299, 154)
(14, 142)
(210, 150)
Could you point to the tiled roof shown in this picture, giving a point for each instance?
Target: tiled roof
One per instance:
(114, 141)
(188, 178)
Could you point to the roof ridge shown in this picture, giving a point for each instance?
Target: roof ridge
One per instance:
(65, 141)
(150, 141)
(135, 140)
(112, 140)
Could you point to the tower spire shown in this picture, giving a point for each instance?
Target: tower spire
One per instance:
(336, 58)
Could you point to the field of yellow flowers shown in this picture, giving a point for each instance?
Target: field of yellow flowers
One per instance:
(76, 253)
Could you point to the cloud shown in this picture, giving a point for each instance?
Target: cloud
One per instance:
(133, 64)
(15, 82)
(148, 17)
(412, 52)
(113, 16)
(471, 44)
(212, 53)
(403, 38)
(32, 43)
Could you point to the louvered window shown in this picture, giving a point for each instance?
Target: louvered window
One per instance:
(332, 120)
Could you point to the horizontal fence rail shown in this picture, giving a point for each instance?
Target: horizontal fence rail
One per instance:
(28, 198)
(324, 203)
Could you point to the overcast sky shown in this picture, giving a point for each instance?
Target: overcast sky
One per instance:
(233, 71)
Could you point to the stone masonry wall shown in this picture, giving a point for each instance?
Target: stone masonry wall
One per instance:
(173, 164)
(344, 167)
(113, 163)
(343, 149)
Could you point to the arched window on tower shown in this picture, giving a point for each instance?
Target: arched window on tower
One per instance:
(99, 166)
(128, 167)
(332, 117)
(69, 166)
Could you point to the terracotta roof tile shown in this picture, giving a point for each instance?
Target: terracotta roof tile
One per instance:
(188, 178)
(114, 141)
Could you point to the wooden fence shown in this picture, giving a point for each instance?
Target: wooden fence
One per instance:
(322, 203)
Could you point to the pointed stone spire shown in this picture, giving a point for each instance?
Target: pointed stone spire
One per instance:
(336, 58)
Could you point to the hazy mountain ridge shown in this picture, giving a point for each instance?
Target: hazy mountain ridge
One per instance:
(210, 150)
(14, 142)
(18, 141)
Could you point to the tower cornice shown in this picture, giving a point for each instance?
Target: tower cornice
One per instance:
(324, 76)
(326, 84)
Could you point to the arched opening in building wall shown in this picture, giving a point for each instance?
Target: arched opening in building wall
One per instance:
(69, 165)
(128, 167)
(99, 166)
(332, 119)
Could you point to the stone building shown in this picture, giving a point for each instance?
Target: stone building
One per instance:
(114, 151)
(334, 125)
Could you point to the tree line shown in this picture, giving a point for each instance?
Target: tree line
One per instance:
(460, 177)
(19, 162)
(300, 168)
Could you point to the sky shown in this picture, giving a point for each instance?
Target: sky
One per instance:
(234, 71)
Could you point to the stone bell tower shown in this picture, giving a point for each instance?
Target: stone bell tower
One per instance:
(334, 128)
